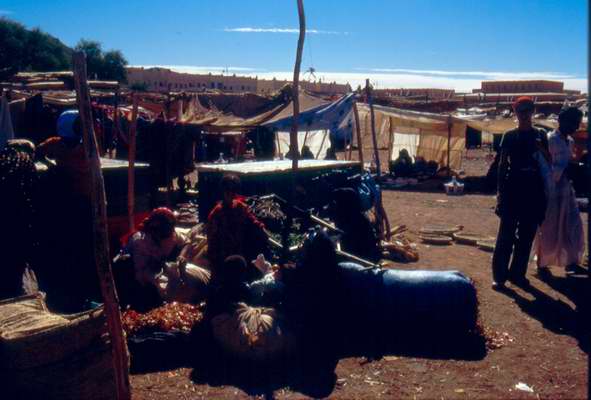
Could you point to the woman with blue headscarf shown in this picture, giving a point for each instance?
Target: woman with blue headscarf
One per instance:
(68, 236)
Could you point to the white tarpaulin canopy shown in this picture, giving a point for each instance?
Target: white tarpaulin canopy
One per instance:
(318, 142)
(423, 134)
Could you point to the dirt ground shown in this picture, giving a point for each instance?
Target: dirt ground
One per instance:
(545, 329)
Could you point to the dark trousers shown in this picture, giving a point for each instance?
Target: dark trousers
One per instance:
(515, 237)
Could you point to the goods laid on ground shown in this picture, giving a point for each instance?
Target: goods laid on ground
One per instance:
(192, 288)
(435, 239)
(388, 304)
(400, 248)
(446, 230)
(169, 317)
(471, 238)
(486, 245)
(268, 211)
(253, 333)
(46, 356)
(187, 214)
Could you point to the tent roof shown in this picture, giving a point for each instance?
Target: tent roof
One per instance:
(223, 112)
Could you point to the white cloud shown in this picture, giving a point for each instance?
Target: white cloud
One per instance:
(460, 81)
(5, 12)
(191, 69)
(281, 30)
(480, 74)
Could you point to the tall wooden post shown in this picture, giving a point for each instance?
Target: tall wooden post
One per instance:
(379, 207)
(373, 131)
(449, 125)
(101, 240)
(293, 135)
(358, 131)
(390, 139)
(131, 166)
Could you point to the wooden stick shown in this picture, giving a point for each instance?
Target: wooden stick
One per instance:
(379, 209)
(322, 143)
(293, 136)
(358, 130)
(131, 166)
(101, 239)
(448, 145)
(390, 139)
(373, 131)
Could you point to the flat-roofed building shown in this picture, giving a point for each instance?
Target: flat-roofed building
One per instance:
(430, 93)
(165, 80)
(158, 79)
(521, 86)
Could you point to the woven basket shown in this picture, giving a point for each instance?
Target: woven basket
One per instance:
(59, 357)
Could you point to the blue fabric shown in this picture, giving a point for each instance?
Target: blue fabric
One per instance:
(399, 299)
(337, 117)
(65, 124)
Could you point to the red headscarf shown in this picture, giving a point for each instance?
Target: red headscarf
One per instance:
(158, 224)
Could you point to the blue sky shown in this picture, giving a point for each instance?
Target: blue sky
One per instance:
(396, 43)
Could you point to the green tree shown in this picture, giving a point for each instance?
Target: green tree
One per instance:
(30, 50)
(139, 87)
(100, 65)
(114, 66)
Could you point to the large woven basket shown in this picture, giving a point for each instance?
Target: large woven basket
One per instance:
(43, 355)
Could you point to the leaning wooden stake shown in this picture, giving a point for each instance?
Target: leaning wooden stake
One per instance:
(380, 220)
(131, 166)
(101, 240)
(358, 131)
(449, 125)
(373, 131)
(293, 135)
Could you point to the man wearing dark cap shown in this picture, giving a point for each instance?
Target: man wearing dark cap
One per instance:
(521, 200)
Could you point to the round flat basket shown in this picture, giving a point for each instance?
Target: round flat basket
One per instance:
(471, 238)
(441, 240)
(440, 230)
(486, 245)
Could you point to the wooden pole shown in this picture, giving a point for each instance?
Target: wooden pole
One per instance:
(373, 131)
(131, 166)
(322, 143)
(390, 139)
(379, 207)
(293, 136)
(358, 131)
(101, 239)
(448, 145)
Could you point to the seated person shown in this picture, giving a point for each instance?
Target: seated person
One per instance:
(155, 244)
(331, 154)
(231, 287)
(359, 237)
(307, 153)
(232, 229)
(420, 166)
(402, 166)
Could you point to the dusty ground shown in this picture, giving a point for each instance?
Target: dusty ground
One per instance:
(548, 327)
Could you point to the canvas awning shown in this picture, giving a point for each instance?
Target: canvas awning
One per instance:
(425, 134)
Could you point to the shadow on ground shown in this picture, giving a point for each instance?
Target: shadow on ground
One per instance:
(556, 315)
(311, 374)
